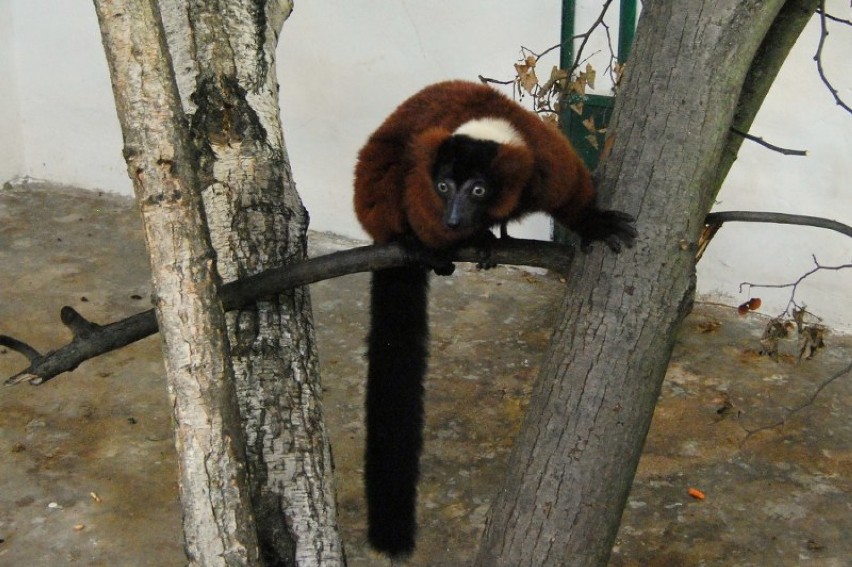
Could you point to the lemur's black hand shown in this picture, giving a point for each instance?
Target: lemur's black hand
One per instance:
(430, 259)
(484, 243)
(615, 228)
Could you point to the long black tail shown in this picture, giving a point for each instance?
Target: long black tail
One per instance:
(397, 354)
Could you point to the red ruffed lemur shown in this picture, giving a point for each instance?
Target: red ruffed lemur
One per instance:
(448, 164)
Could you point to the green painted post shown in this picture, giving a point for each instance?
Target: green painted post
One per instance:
(566, 52)
(626, 28)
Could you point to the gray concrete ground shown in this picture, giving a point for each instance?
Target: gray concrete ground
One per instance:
(87, 469)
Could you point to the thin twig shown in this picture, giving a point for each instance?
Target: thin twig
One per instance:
(818, 58)
(794, 285)
(483, 79)
(834, 18)
(588, 33)
(764, 143)
(794, 410)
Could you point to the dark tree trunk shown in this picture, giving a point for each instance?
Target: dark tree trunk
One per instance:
(574, 460)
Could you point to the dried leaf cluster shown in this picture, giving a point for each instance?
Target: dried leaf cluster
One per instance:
(810, 334)
(560, 91)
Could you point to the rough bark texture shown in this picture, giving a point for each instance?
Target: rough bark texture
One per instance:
(225, 52)
(218, 524)
(574, 460)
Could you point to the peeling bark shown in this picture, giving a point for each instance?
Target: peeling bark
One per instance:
(218, 523)
(574, 460)
(257, 222)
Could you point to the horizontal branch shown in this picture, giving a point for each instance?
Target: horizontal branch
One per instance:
(91, 340)
(714, 221)
(718, 218)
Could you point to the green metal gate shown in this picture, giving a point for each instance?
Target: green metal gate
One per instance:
(596, 107)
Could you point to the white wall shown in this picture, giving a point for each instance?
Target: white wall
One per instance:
(344, 65)
(799, 113)
(11, 146)
(68, 120)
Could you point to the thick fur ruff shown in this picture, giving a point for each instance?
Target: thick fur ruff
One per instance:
(397, 352)
(536, 167)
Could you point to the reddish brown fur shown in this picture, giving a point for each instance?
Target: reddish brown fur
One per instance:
(393, 185)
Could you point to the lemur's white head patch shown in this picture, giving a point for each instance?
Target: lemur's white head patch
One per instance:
(497, 130)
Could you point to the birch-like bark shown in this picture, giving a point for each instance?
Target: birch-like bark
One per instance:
(218, 523)
(576, 455)
(225, 54)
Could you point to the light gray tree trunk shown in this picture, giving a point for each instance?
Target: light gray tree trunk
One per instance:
(218, 523)
(574, 460)
(224, 55)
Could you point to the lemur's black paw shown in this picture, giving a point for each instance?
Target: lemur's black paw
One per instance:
(430, 259)
(484, 243)
(442, 268)
(615, 228)
(437, 262)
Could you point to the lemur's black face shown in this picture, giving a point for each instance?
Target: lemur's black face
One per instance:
(461, 180)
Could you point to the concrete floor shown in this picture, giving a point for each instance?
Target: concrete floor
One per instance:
(87, 474)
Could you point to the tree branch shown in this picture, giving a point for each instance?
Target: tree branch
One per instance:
(834, 18)
(718, 218)
(91, 340)
(823, 35)
(714, 221)
(765, 144)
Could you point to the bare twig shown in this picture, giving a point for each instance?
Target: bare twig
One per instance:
(796, 409)
(794, 285)
(818, 58)
(91, 340)
(764, 143)
(834, 18)
(588, 34)
(484, 79)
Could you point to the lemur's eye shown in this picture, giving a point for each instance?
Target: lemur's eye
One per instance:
(478, 191)
(443, 187)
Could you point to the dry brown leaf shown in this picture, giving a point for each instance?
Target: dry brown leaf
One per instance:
(607, 147)
(550, 118)
(526, 74)
(593, 140)
(618, 69)
(590, 76)
(557, 77)
(811, 340)
(709, 326)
